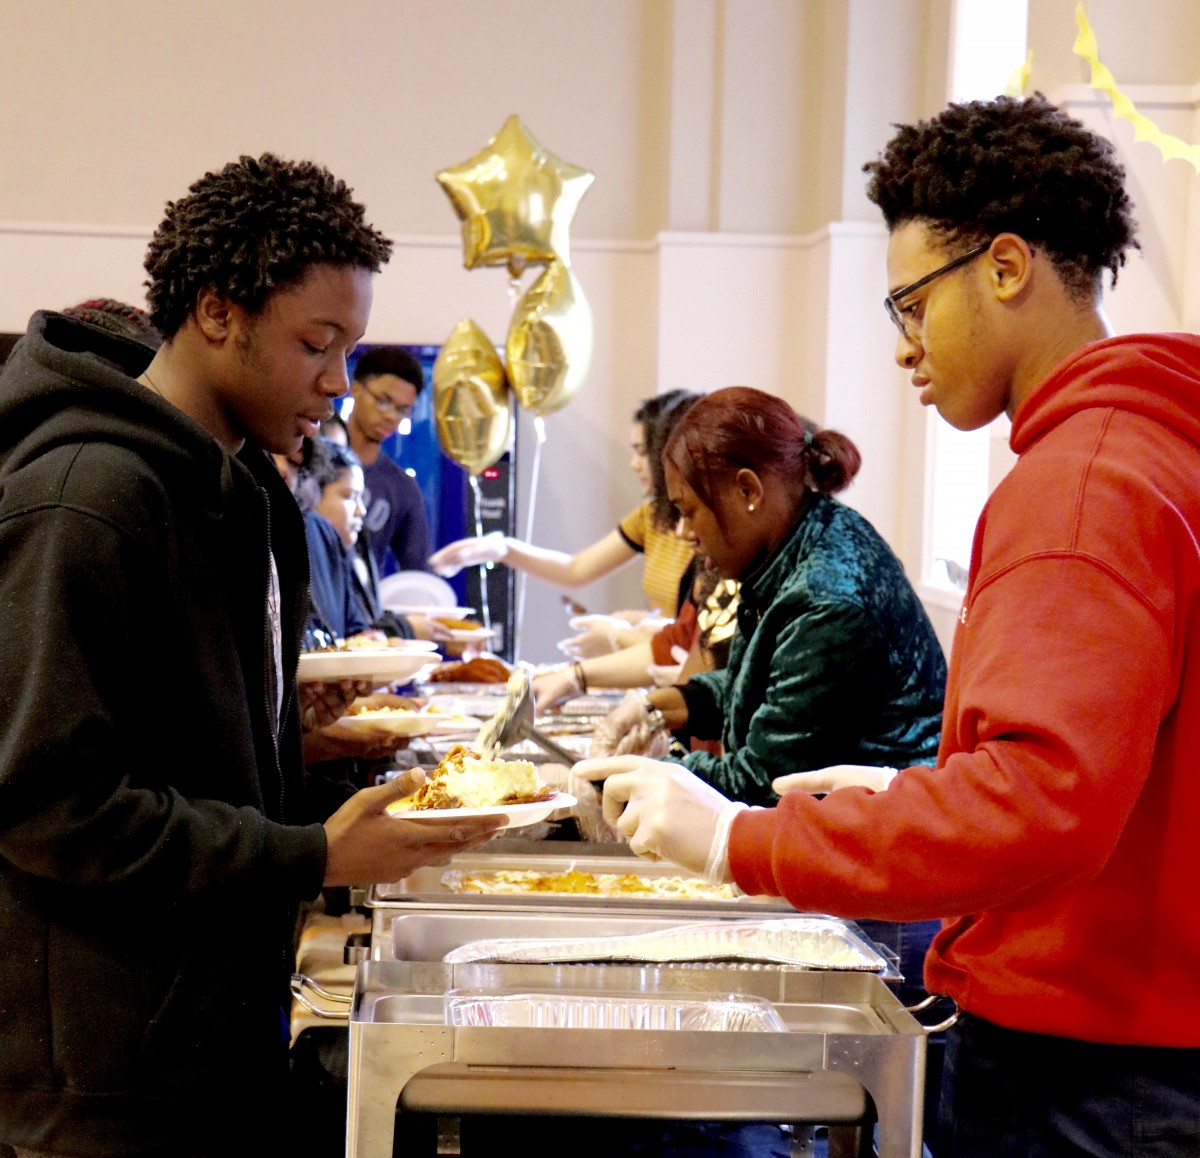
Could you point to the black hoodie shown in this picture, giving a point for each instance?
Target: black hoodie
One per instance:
(150, 855)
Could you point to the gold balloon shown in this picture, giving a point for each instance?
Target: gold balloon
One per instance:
(516, 201)
(470, 399)
(549, 347)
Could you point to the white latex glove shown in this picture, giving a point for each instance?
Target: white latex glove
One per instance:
(453, 557)
(665, 812)
(589, 813)
(627, 730)
(666, 675)
(597, 636)
(838, 776)
(552, 687)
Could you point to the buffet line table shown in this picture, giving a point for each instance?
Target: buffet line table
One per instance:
(681, 1002)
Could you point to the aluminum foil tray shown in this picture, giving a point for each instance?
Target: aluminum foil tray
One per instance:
(596, 703)
(721, 1012)
(443, 886)
(801, 942)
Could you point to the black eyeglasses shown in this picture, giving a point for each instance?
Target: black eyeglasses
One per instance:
(388, 405)
(891, 302)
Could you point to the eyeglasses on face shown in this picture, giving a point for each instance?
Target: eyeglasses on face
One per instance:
(387, 404)
(892, 302)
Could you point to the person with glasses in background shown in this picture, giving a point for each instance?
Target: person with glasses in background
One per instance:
(387, 382)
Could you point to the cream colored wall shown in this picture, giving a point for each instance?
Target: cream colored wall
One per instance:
(726, 238)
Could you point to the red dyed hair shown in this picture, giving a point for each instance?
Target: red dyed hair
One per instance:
(740, 428)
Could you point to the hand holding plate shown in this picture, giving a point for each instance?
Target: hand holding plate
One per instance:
(366, 845)
(323, 703)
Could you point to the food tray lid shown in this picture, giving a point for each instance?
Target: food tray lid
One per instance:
(565, 1010)
(801, 942)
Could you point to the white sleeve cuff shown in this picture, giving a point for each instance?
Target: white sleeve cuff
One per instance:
(716, 868)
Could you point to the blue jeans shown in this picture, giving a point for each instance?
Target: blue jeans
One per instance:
(1008, 1094)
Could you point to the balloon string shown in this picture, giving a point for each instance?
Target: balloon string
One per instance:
(484, 568)
(539, 427)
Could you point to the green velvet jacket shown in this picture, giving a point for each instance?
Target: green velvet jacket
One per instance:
(834, 662)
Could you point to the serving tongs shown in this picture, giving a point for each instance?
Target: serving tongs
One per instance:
(513, 722)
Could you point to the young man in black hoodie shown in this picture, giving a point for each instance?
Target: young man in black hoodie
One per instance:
(153, 835)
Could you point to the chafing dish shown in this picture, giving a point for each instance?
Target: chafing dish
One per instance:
(430, 887)
(848, 1053)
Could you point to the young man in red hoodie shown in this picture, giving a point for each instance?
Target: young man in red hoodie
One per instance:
(1056, 833)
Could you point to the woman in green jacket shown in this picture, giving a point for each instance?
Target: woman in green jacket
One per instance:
(834, 661)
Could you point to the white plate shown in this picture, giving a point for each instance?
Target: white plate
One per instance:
(413, 646)
(409, 587)
(519, 815)
(480, 704)
(385, 666)
(470, 635)
(433, 610)
(412, 724)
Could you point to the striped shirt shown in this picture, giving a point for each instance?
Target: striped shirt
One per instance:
(667, 557)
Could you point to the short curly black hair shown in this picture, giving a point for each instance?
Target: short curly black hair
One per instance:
(255, 226)
(1018, 165)
(379, 360)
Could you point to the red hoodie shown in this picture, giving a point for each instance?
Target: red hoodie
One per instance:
(1058, 832)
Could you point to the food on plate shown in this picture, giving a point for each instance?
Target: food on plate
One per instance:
(354, 643)
(460, 624)
(510, 882)
(362, 643)
(370, 711)
(465, 779)
(483, 669)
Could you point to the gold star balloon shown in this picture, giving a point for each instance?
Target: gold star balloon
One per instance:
(549, 346)
(516, 201)
(470, 399)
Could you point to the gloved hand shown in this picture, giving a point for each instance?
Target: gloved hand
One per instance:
(453, 557)
(627, 729)
(552, 687)
(665, 812)
(835, 777)
(597, 636)
(665, 675)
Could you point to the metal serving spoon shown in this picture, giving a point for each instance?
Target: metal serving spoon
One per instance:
(513, 722)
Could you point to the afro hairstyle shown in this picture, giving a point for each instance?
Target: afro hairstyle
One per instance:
(256, 226)
(1011, 165)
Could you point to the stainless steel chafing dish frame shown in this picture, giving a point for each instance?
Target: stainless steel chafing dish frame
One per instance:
(852, 1055)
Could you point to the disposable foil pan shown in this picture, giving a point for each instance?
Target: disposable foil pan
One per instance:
(597, 703)
(720, 1012)
(802, 942)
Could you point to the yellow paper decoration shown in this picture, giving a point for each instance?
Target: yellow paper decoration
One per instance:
(1144, 129)
(1018, 83)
